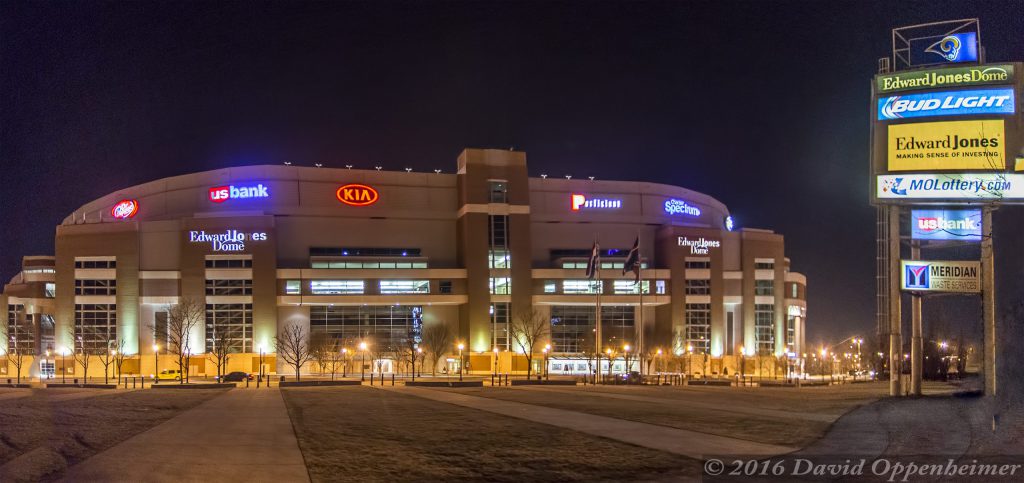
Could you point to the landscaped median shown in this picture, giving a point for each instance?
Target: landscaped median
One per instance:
(61, 385)
(445, 383)
(196, 385)
(316, 383)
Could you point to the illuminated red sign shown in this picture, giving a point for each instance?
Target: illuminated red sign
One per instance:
(125, 209)
(357, 195)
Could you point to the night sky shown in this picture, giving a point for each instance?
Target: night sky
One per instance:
(762, 105)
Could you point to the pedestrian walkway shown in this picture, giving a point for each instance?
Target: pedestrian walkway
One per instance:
(238, 436)
(14, 394)
(692, 444)
(768, 413)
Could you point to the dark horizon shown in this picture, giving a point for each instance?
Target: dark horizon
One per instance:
(762, 106)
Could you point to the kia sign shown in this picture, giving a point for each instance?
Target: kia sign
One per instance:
(946, 225)
(220, 194)
(357, 195)
(947, 103)
(578, 202)
(940, 276)
(125, 209)
(947, 77)
(959, 187)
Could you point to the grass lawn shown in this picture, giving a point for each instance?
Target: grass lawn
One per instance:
(361, 433)
(44, 433)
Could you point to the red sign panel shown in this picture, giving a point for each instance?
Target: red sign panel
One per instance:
(357, 195)
(125, 209)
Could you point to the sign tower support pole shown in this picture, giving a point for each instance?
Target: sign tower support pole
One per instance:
(916, 342)
(895, 315)
(988, 299)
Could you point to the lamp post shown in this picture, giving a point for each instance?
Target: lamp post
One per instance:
(625, 357)
(419, 353)
(656, 357)
(261, 368)
(743, 363)
(547, 372)
(461, 346)
(689, 361)
(344, 360)
(608, 352)
(495, 362)
(362, 361)
(156, 361)
(544, 371)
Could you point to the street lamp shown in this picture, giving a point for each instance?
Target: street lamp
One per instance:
(461, 346)
(156, 361)
(63, 365)
(362, 361)
(495, 362)
(689, 360)
(657, 356)
(419, 353)
(625, 357)
(547, 350)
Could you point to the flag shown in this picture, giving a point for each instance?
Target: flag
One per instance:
(633, 261)
(595, 259)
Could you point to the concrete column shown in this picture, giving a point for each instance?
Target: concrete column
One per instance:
(916, 344)
(988, 300)
(895, 315)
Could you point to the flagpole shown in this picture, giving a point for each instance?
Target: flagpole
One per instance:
(640, 338)
(597, 341)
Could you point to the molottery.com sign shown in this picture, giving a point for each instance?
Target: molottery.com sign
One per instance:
(946, 77)
(929, 146)
(954, 186)
(940, 276)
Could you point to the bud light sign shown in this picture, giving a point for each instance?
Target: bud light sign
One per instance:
(947, 103)
(220, 194)
(946, 225)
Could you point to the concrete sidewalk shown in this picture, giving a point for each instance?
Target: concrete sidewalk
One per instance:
(239, 436)
(679, 441)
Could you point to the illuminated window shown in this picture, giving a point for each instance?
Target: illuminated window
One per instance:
(500, 314)
(229, 263)
(229, 287)
(499, 191)
(698, 327)
(50, 290)
(337, 287)
(764, 287)
(499, 258)
(501, 286)
(111, 263)
(293, 287)
(659, 287)
(95, 327)
(20, 330)
(794, 287)
(380, 326)
(550, 286)
(764, 265)
(229, 325)
(625, 287)
(395, 287)
(698, 264)
(95, 287)
(574, 287)
(764, 328)
(40, 270)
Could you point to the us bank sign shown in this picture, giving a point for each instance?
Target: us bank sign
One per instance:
(700, 246)
(227, 241)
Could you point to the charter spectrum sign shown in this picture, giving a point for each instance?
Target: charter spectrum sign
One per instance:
(947, 77)
(966, 186)
(947, 103)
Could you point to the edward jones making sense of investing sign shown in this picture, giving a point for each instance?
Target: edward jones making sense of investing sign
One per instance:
(960, 145)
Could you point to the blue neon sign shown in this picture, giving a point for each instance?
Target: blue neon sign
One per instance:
(947, 103)
(946, 225)
(962, 47)
(680, 207)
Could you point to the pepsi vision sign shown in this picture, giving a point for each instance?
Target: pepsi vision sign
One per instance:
(947, 103)
(960, 187)
(946, 225)
(940, 276)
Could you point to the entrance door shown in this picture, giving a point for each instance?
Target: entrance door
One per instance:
(47, 369)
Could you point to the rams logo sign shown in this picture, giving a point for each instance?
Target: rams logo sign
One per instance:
(357, 195)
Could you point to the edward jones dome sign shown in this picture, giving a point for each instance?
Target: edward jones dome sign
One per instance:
(227, 241)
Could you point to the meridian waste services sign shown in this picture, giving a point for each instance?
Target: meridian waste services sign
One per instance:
(940, 276)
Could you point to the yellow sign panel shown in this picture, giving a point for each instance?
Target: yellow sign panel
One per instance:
(926, 146)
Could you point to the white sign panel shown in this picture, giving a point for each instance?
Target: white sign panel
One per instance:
(700, 246)
(227, 241)
(959, 186)
(940, 276)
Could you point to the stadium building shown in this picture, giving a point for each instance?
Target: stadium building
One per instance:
(379, 257)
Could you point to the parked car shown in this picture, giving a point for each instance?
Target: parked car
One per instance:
(237, 376)
(169, 375)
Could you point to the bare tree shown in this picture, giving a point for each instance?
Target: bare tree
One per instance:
(321, 349)
(107, 359)
(337, 354)
(182, 318)
(528, 329)
(119, 357)
(15, 354)
(81, 353)
(437, 340)
(293, 347)
(222, 345)
(410, 350)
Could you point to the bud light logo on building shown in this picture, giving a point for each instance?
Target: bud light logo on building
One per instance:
(680, 207)
(947, 103)
(916, 277)
(125, 209)
(220, 194)
(961, 47)
(946, 225)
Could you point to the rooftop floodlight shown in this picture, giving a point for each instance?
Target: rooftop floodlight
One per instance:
(408, 170)
(319, 165)
(287, 163)
(348, 166)
(438, 171)
(378, 168)
(568, 176)
(591, 178)
(544, 176)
